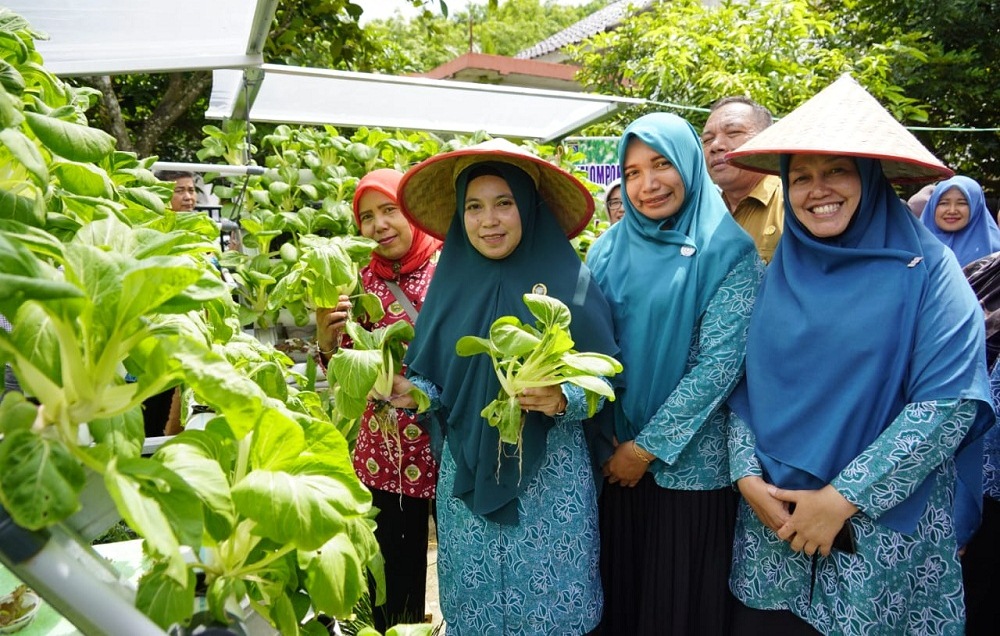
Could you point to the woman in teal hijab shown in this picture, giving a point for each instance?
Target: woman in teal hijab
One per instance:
(517, 528)
(681, 277)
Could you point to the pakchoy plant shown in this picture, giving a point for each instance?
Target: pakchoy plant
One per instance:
(368, 366)
(526, 356)
(326, 269)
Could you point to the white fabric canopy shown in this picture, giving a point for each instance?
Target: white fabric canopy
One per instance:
(109, 37)
(291, 94)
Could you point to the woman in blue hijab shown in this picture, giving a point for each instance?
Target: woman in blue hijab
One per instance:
(681, 277)
(956, 213)
(517, 527)
(858, 426)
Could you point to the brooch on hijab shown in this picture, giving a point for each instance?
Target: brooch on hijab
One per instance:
(687, 250)
(540, 289)
(916, 259)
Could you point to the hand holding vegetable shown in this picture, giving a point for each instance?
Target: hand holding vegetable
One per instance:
(402, 393)
(330, 324)
(544, 399)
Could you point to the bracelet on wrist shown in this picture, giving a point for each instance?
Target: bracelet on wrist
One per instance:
(642, 455)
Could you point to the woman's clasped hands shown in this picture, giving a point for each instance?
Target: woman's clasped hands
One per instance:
(808, 520)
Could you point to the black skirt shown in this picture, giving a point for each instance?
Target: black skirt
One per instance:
(665, 560)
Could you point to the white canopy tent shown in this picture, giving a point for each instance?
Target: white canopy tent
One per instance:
(317, 96)
(113, 37)
(108, 37)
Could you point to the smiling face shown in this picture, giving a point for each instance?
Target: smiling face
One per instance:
(653, 184)
(824, 192)
(492, 220)
(382, 221)
(952, 211)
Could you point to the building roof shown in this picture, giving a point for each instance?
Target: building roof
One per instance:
(507, 71)
(597, 22)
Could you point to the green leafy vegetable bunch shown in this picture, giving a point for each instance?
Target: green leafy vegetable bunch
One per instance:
(526, 356)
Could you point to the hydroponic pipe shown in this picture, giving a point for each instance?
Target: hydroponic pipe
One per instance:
(73, 579)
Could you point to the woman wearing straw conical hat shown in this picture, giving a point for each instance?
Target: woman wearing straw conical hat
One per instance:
(858, 427)
(517, 525)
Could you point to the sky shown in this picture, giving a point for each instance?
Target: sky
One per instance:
(378, 9)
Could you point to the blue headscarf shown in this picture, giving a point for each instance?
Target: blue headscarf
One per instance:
(659, 276)
(468, 292)
(980, 236)
(847, 331)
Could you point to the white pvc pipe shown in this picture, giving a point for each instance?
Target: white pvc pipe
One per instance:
(208, 167)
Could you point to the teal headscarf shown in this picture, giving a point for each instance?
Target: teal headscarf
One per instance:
(659, 276)
(469, 292)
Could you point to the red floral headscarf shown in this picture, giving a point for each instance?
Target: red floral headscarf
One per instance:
(386, 181)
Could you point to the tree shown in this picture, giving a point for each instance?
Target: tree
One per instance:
(427, 41)
(958, 79)
(781, 52)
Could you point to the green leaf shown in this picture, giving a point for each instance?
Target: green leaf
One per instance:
(84, 179)
(355, 370)
(369, 305)
(164, 599)
(472, 345)
(16, 413)
(26, 152)
(120, 435)
(512, 341)
(306, 510)
(159, 505)
(278, 441)
(593, 363)
(24, 202)
(196, 456)
(549, 311)
(71, 141)
(592, 384)
(422, 629)
(506, 415)
(40, 480)
(335, 576)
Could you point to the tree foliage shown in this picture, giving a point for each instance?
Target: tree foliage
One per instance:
(429, 40)
(958, 80)
(925, 60)
(163, 114)
(779, 52)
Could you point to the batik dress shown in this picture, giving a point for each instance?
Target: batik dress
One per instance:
(541, 575)
(401, 462)
(895, 583)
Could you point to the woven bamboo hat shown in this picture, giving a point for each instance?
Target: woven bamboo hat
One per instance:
(427, 191)
(842, 119)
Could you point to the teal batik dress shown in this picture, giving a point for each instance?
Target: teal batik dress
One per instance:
(539, 576)
(895, 583)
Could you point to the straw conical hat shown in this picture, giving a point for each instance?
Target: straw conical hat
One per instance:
(842, 119)
(427, 191)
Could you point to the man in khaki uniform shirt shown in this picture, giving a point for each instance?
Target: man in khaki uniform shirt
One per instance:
(754, 199)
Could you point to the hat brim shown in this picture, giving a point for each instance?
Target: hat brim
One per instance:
(427, 192)
(843, 119)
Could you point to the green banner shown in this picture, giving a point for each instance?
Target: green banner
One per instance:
(601, 163)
